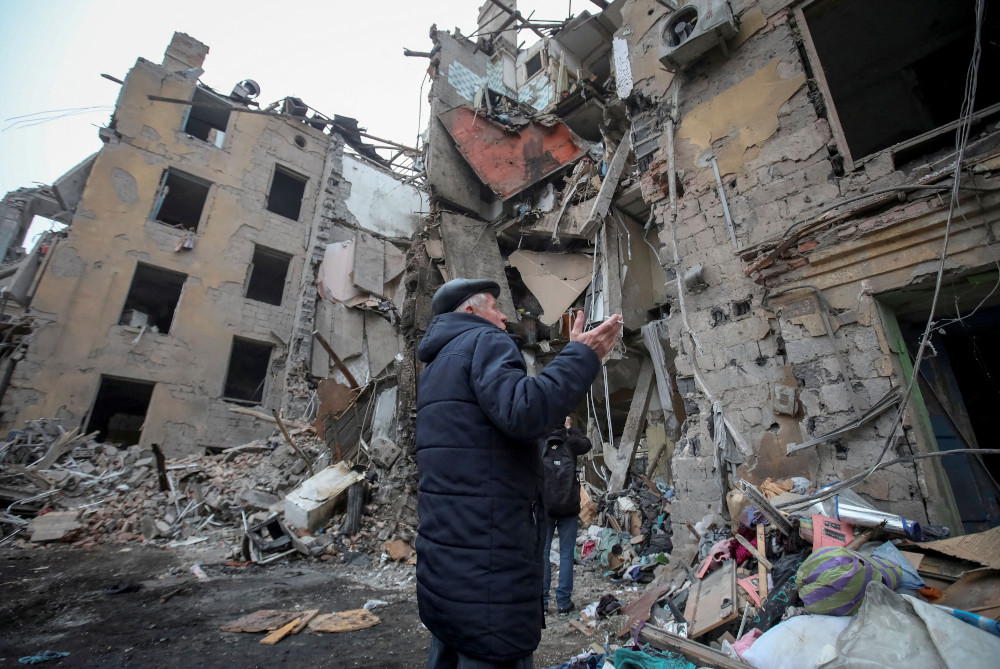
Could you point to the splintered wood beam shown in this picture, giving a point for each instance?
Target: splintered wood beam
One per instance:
(619, 460)
(610, 184)
(336, 359)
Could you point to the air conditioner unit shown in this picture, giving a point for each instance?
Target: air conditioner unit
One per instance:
(694, 29)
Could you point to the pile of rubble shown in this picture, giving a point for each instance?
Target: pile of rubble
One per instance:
(61, 486)
(793, 577)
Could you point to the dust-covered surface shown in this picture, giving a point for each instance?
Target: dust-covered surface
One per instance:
(84, 602)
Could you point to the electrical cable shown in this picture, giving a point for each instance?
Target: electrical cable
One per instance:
(961, 141)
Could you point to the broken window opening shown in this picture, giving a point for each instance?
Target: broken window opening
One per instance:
(181, 199)
(894, 70)
(287, 190)
(208, 118)
(266, 278)
(119, 410)
(532, 66)
(247, 373)
(960, 387)
(152, 298)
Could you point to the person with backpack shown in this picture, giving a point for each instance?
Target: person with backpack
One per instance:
(561, 497)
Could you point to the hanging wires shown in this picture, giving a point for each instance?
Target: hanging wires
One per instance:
(38, 118)
(961, 141)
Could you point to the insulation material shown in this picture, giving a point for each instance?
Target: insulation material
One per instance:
(623, 70)
(336, 272)
(743, 117)
(555, 279)
(508, 162)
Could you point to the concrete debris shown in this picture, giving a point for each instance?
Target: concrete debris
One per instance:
(311, 503)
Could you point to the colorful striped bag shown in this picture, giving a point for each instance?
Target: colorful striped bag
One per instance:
(832, 580)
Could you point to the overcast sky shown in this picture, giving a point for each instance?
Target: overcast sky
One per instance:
(340, 57)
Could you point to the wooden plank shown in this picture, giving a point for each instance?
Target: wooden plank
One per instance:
(304, 620)
(59, 447)
(621, 459)
(280, 633)
(369, 263)
(344, 621)
(336, 359)
(664, 380)
(610, 184)
(712, 601)
(264, 620)
(753, 549)
(700, 654)
(579, 626)
(763, 565)
(638, 610)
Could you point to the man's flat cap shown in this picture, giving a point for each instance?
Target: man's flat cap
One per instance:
(456, 291)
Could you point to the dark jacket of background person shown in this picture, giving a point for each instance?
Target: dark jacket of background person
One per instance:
(479, 421)
(562, 490)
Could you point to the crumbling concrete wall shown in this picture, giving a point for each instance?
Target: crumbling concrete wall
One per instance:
(79, 300)
(757, 111)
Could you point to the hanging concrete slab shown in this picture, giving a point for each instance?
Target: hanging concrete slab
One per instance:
(472, 254)
(369, 263)
(508, 162)
(555, 279)
(334, 274)
(383, 343)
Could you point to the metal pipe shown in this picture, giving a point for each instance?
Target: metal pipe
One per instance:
(725, 204)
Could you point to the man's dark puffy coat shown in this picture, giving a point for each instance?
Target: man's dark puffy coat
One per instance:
(562, 490)
(479, 543)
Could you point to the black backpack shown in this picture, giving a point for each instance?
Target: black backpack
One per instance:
(561, 491)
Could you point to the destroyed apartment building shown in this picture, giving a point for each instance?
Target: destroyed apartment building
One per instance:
(178, 306)
(792, 203)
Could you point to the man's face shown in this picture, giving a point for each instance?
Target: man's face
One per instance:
(490, 312)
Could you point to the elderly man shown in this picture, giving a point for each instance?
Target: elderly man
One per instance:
(479, 419)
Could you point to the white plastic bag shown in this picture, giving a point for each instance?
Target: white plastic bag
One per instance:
(797, 643)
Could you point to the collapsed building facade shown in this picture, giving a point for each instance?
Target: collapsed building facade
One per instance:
(766, 208)
(763, 189)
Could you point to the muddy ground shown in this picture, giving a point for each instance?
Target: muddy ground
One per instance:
(140, 606)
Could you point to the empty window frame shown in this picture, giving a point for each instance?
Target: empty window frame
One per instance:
(532, 65)
(285, 196)
(266, 279)
(895, 70)
(119, 410)
(248, 364)
(152, 298)
(181, 199)
(208, 117)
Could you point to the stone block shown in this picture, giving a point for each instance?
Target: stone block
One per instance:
(836, 397)
(784, 400)
(55, 526)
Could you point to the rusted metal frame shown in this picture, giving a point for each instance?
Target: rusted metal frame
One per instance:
(517, 15)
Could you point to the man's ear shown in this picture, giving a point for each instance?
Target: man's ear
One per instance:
(469, 309)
